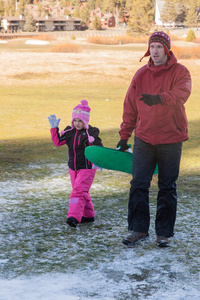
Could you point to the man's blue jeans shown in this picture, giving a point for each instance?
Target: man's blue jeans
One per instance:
(145, 158)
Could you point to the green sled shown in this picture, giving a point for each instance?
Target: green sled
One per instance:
(111, 159)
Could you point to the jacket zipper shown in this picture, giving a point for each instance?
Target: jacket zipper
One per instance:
(75, 150)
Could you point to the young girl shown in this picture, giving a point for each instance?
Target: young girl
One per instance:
(78, 136)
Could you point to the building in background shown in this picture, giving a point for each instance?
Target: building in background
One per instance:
(43, 24)
(158, 11)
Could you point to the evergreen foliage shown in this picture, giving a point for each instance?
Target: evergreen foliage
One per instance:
(91, 4)
(96, 24)
(191, 14)
(40, 9)
(77, 11)
(1, 8)
(141, 17)
(169, 13)
(190, 36)
(85, 14)
(30, 23)
(21, 7)
(108, 6)
(8, 7)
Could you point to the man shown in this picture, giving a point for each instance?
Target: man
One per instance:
(154, 109)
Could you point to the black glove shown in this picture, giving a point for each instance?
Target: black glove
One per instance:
(122, 145)
(151, 99)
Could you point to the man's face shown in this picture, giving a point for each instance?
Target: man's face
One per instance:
(157, 53)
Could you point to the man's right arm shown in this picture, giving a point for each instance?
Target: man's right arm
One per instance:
(129, 114)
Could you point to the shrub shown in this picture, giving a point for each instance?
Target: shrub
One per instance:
(73, 37)
(66, 48)
(130, 40)
(190, 36)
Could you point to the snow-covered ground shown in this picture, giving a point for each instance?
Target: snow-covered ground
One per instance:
(42, 258)
(100, 285)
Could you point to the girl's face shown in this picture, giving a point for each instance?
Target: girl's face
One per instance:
(78, 124)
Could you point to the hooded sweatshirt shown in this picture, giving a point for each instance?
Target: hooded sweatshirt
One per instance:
(162, 123)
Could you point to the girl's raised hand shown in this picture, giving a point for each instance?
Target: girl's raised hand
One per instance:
(53, 121)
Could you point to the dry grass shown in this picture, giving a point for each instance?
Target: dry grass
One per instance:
(66, 48)
(116, 40)
(30, 75)
(46, 37)
(186, 53)
(197, 40)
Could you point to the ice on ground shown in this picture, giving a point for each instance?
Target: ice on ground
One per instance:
(93, 284)
(42, 258)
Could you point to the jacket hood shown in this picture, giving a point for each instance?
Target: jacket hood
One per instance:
(169, 63)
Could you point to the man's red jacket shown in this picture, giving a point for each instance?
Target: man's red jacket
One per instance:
(162, 123)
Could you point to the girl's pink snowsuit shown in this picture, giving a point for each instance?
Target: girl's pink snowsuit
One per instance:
(80, 203)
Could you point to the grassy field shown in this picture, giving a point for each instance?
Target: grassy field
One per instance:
(29, 95)
(35, 185)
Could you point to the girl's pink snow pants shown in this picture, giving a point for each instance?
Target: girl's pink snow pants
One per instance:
(80, 203)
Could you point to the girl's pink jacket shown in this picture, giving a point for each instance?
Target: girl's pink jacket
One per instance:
(163, 123)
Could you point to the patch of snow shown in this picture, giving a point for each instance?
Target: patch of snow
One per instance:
(81, 284)
(36, 42)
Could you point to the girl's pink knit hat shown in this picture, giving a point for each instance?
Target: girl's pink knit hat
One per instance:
(82, 112)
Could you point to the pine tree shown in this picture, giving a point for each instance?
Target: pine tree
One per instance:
(85, 14)
(40, 9)
(141, 17)
(98, 3)
(91, 4)
(129, 4)
(169, 13)
(1, 8)
(30, 23)
(181, 13)
(77, 11)
(96, 24)
(8, 8)
(108, 6)
(21, 7)
(13, 7)
(191, 14)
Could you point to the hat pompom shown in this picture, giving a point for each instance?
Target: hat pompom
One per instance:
(84, 102)
(90, 139)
